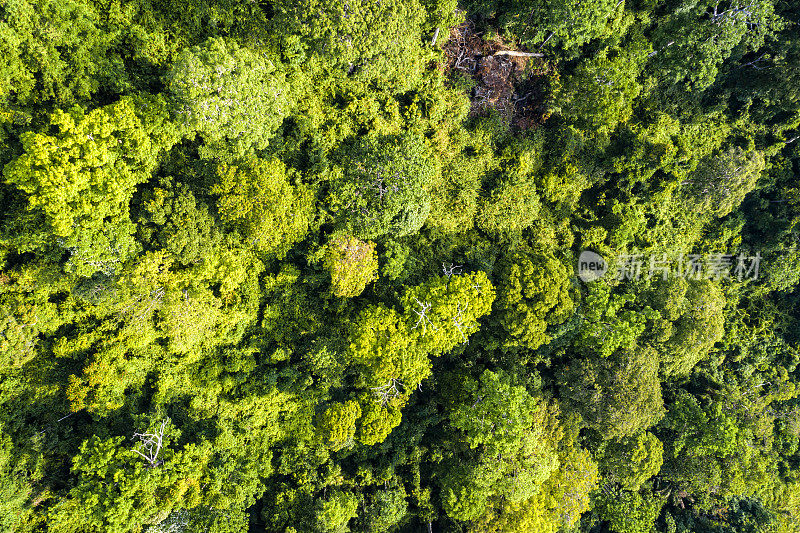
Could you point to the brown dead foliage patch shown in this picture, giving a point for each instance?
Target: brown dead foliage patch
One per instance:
(514, 86)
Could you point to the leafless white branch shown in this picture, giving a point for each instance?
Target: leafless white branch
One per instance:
(423, 317)
(150, 445)
(388, 392)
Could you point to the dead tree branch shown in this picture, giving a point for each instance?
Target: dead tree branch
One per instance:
(515, 53)
(423, 317)
(458, 321)
(388, 392)
(150, 445)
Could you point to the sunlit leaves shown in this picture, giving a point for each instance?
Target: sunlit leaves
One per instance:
(720, 183)
(505, 425)
(444, 311)
(83, 177)
(337, 423)
(560, 22)
(383, 188)
(533, 293)
(352, 264)
(228, 93)
(694, 40)
(618, 396)
(345, 37)
(259, 197)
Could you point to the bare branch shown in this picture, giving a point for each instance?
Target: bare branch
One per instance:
(515, 53)
(451, 270)
(435, 36)
(423, 317)
(388, 392)
(458, 321)
(151, 443)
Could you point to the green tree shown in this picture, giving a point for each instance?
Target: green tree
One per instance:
(560, 501)
(508, 453)
(466, 155)
(631, 461)
(694, 40)
(393, 260)
(83, 177)
(337, 423)
(443, 312)
(263, 200)
(512, 204)
(130, 499)
(381, 344)
(229, 94)
(560, 23)
(352, 264)
(697, 455)
(619, 395)
(387, 509)
(27, 315)
(343, 36)
(599, 95)
(692, 323)
(609, 322)
(16, 484)
(335, 512)
(378, 418)
(721, 182)
(510, 207)
(173, 219)
(533, 293)
(630, 512)
(67, 63)
(383, 188)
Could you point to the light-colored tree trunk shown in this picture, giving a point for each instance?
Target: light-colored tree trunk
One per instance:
(514, 53)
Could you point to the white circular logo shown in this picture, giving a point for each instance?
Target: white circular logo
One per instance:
(591, 266)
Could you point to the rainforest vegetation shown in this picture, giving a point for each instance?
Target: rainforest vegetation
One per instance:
(317, 266)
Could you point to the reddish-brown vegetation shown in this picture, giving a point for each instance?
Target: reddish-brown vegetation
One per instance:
(514, 86)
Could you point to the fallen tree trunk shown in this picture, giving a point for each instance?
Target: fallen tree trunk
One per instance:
(514, 53)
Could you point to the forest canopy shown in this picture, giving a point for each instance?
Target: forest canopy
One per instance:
(477, 266)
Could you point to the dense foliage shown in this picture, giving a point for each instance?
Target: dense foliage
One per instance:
(314, 266)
